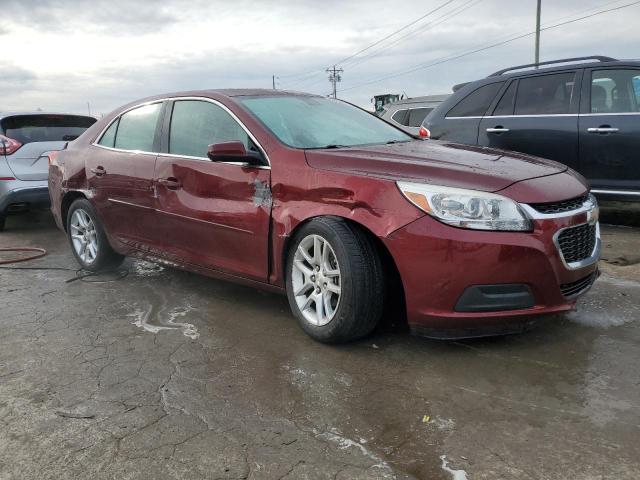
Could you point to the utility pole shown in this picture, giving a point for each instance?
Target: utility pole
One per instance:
(538, 32)
(89, 108)
(334, 78)
(273, 81)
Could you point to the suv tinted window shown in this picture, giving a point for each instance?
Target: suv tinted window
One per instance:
(545, 95)
(197, 124)
(400, 117)
(477, 102)
(137, 128)
(615, 91)
(45, 128)
(505, 105)
(417, 115)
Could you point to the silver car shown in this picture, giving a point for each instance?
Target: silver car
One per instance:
(25, 140)
(409, 114)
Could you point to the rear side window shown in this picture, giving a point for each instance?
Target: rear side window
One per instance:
(196, 124)
(545, 95)
(417, 115)
(615, 91)
(45, 128)
(505, 105)
(477, 102)
(137, 128)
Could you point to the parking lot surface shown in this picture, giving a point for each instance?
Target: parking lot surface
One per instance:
(167, 374)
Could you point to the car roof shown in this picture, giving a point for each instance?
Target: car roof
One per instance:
(424, 99)
(26, 112)
(567, 66)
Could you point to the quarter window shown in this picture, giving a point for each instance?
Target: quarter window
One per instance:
(615, 91)
(109, 137)
(400, 116)
(137, 128)
(197, 124)
(417, 116)
(477, 103)
(505, 105)
(545, 95)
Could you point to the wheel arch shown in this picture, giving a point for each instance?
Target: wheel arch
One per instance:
(394, 288)
(67, 200)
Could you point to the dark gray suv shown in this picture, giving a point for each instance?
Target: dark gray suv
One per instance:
(583, 112)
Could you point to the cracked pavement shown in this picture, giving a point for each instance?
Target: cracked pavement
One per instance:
(167, 374)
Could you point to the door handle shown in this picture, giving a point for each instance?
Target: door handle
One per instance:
(498, 129)
(98, 171)
(603, 129)
(171, 183)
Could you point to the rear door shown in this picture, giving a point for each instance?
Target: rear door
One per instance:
(39, 134)
(120, 172)
(461, 122)
(610, 128)
(214, 214)
(537, 115)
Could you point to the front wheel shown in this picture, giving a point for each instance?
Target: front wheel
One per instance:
(335, 283)
(88, 241)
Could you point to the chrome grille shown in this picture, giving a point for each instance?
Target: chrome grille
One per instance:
(577, 243)
(560, 207)
(579, 286)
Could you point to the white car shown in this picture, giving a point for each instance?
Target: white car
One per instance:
(408, 114)
(25, 140)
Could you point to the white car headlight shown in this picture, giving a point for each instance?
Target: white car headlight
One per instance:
(467, 208)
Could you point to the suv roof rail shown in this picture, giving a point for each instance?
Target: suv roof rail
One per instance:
(599, 58)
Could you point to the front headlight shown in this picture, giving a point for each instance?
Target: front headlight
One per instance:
(467, 208)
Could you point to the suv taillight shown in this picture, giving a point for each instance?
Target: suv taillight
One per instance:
(52, 157)
(8, 145)
(424, 133)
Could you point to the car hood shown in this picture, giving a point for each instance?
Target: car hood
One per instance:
(438, 163)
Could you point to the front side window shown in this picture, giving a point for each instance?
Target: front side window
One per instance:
(137, 128)
(318, 122)
(477, 102)
(545, 95)
(615, 91)
(196, 124)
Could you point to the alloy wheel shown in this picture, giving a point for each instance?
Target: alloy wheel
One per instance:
(316, 280)
(84, 236)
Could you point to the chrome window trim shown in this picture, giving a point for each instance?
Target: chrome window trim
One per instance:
(206, 99)
(608, 114)
(550, 115)
(630, 193)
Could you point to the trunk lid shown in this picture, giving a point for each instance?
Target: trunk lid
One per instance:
(30, 162)
(438, 163)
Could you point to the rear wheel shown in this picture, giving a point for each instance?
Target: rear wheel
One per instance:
(334, 280)
(88, 241)
(3, 218)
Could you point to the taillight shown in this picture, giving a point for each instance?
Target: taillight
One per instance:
(8, 145)
(52, 157)
(424, 133)
(8, 179)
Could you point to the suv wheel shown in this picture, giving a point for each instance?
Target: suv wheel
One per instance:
(88, 241)
(334, 280)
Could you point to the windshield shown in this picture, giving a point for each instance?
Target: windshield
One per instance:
(317, 122)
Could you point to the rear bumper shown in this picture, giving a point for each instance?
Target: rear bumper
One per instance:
(17, 193)
(459, 281)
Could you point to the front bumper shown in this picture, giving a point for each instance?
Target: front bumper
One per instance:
(522, 273)
(27, 194)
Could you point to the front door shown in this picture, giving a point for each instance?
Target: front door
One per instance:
(537, 115)
(214, 214)
(610, 129)
(120, 173)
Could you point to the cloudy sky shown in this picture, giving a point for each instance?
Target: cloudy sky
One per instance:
(61, 54)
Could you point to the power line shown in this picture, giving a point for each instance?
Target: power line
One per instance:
(318, 70)
(504, 42)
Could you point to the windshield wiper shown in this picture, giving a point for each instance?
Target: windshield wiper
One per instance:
(391, 142)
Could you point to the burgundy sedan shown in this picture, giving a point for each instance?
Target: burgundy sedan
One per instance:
(321, 199)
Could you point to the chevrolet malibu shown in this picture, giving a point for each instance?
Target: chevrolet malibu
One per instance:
(332, 205)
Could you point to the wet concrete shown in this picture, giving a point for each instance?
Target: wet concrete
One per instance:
(166, 374)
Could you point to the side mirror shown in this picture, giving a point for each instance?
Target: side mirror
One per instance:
(231, 152)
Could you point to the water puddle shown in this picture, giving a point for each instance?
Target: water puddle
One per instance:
(142, 268)
(165, 320)
(455, 474)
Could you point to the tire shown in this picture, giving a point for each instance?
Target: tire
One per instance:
(353, 312)
(83, 221)
(3, 219)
